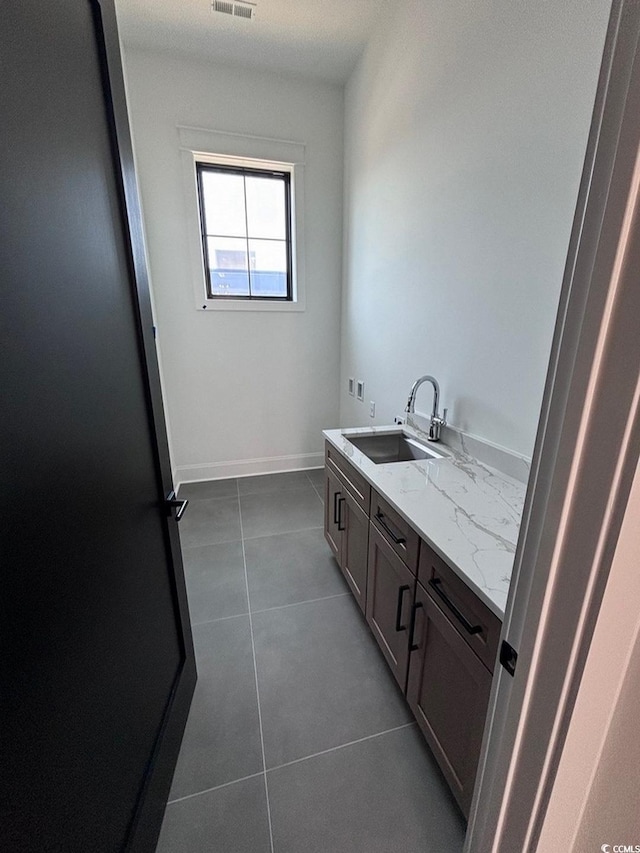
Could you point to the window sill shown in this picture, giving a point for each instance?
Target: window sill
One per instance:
(213, 305)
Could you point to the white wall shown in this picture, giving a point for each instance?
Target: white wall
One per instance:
(245, 392)
(465, 131)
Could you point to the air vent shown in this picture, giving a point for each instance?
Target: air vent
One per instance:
(241, 10)
(237, 10)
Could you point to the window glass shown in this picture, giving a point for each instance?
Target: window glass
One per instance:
(246, 233)
(266, 207)
(223, 196)
(228, 266)
(268, 262)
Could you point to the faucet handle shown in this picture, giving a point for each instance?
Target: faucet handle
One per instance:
(436, 424)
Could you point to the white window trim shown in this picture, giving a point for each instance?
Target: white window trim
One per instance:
(235, 149)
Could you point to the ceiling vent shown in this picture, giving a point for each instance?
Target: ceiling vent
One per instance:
(237, 10)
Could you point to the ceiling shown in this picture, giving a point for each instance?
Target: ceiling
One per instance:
(314, 38)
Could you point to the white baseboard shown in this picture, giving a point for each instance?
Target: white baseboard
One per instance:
(246, 467)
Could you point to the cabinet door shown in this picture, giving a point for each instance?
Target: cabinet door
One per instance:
(448, 691)
(333, 500)
(390, 587)
(355, 545)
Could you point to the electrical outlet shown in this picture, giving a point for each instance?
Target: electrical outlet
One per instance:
(372, 409)
(360, 390)
(351, 385)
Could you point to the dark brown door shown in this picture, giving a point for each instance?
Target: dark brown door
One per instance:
(355, 546)
(390, 587)
(448, 691)
(96, 667)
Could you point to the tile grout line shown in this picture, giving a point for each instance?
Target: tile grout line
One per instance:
(283, 532)
(341, 746)
(215, 788)
(299, 603)
(254, 494)
(250, 538)
(255, 674)
(315, 489)
(218, 619)
(289, 763)
(268, 492)
(270, 609)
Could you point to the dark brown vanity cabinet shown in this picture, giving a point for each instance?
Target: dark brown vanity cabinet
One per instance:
(439, 639)
(346, 521)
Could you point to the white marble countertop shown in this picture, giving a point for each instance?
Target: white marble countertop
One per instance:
(467, 511)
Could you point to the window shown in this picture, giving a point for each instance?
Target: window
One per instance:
(245, 221)
(237, 261)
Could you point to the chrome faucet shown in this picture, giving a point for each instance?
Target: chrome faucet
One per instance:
(437, 422)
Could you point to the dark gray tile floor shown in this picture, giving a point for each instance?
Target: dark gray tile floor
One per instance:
(211, 521)
(232, 819)
(379, 795)
(290, 568)
(222, 740)
(216, 583)
(322, 681)
(298, 738)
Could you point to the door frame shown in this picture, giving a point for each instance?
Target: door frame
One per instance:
(147, 819)
(586, 451)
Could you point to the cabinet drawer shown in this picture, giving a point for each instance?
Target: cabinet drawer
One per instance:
(352, 479)
(478, 626)
(396, 531)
